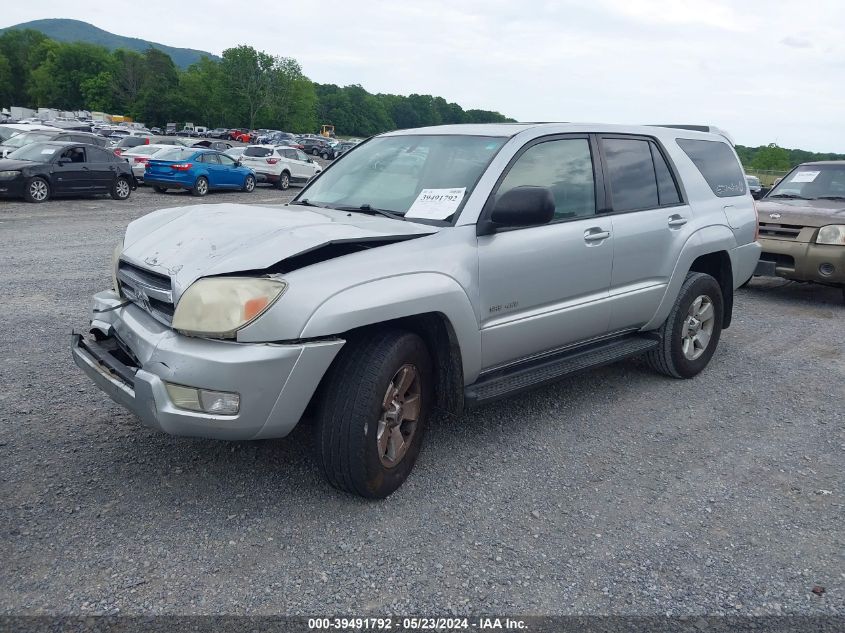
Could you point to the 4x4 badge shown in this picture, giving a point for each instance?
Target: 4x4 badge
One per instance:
(775, 216)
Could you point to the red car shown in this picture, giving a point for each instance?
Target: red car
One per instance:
(242, 136)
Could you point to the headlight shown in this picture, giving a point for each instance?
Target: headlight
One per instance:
(219, 306)
(832, 234)
(115, 261)
(9, 174)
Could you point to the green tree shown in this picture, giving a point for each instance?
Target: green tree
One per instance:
(57, 82)
(771, 157)
(24, 51)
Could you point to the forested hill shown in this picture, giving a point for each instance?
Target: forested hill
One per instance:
(243, 88)
(774, 158)
(63, 30)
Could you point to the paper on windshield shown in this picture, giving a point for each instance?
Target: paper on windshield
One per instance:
(436, 204)
(805, 176)
(49, 150)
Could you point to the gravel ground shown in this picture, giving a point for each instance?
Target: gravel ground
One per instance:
(616, 492)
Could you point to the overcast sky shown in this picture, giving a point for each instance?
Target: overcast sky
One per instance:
(765, 70)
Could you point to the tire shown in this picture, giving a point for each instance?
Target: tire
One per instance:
(37, 190)
(355, 429)
(200, 187)
(249, 184)
(315, 151)
(284, 181)
(680, 353)
(325, 156)
(121, 189)
(158, 189)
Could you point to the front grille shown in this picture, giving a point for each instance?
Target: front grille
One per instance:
(780, 231)
(147, 289)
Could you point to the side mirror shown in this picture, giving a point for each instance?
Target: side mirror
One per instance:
(521, 206)
(239, 162)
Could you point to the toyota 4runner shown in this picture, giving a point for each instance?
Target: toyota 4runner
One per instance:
(437, 267)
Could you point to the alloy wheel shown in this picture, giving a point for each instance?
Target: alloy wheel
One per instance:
(400, 413)
(122, 189)
(698, 327)
(38, 190)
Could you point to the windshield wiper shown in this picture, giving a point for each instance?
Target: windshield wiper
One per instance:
(829, 198)
(306, 203)
(365, 208)
(791, 196)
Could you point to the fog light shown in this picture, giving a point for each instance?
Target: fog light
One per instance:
(204, 400)
(826, 269)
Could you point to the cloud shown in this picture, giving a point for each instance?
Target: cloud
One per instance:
(796, 42)
(748, 67)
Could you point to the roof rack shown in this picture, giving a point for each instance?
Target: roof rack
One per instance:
(712, 129)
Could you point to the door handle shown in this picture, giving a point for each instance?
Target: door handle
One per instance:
(676, 221)
(595, 234)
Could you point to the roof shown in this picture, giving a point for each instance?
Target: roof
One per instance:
(512, 129)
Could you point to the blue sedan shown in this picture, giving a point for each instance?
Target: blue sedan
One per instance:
(197, 170)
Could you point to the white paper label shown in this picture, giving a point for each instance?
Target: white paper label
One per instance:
(436, 204)
(805, 176)
(48, 151)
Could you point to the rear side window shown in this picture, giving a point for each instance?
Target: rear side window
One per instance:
(667, 190)
(258, 152)
(633, 184)
(717, 164)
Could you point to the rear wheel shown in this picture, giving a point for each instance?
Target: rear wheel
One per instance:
(249, 184)
(373, 411)
(690, 334)
(200, 187)
(37, 190)
(121, 188)
(315, 151)
(284, 181)
(158, 189)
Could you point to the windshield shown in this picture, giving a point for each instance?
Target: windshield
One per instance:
(19, 140)
(36, 152)
(812, 182)
(7, 132)
(391, 172)
(176, 153)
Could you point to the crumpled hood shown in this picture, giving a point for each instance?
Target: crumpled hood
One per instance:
(196, 241)
(802, 212)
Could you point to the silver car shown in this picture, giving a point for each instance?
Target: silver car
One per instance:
(140, 155)
(439, 267)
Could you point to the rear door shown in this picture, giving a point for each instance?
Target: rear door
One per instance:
(545, 287)
(651, 224)
(216, 177)
(102, 168)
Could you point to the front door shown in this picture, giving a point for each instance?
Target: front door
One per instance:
(545, 287)
(71, 173)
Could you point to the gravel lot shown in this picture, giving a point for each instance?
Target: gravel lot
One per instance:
(614, 492)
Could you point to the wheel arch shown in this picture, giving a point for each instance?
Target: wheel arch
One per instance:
(718, 265)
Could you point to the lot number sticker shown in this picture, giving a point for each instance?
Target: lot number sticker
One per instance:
(805, 176)
(436, 204)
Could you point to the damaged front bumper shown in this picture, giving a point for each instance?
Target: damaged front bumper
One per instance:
(133, 357)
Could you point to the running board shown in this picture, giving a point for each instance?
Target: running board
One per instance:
(542, 371)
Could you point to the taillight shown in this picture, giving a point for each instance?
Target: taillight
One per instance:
(182, 166)
(141, 159)
(118, 151)
(756, 221)
(146, 140)
(272, 161)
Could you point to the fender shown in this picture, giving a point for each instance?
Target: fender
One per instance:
(402, 296)
(708, 239)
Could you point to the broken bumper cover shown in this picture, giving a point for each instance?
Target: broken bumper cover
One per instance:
(275, 382)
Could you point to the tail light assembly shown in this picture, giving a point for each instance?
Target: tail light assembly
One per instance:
(181, 166)
(272, 161)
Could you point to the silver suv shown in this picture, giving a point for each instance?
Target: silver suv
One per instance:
(437, 267)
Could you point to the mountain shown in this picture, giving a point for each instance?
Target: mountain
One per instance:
(78, 31)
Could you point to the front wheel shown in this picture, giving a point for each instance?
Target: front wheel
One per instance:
(249, 184)
(121, 189)
(690, 334)
(37, 190)
(200, 187)
(325, 156)
(315, 151)
(373, 411)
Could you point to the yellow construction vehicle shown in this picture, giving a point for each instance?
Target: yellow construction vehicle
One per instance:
(327, 131)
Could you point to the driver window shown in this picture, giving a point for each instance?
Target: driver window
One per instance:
(565, 167)
(73, 154)
(300, 155)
